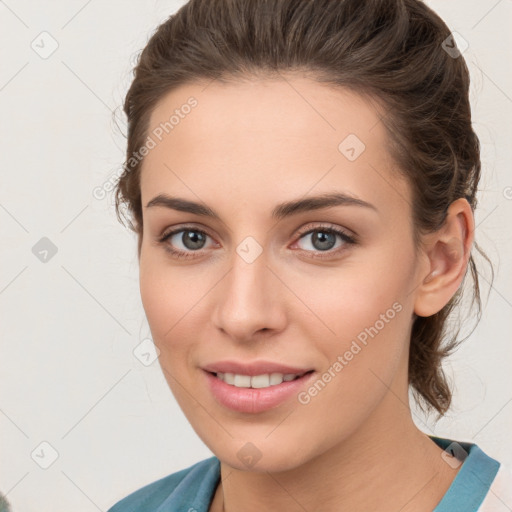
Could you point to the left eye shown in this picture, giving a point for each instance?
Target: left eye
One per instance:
(324, 239)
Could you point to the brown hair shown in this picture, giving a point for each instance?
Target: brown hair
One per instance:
(389, 50)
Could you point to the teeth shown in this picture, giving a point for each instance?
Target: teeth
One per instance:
(242, 381)
(260, 381)
(276, 378)
(257, 381)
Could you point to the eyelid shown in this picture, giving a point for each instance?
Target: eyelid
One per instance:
(327, 226)
(183, 227)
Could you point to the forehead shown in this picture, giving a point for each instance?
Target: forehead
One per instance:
(272, 109)
(270, 137)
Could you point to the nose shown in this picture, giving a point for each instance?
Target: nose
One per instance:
(249, 300)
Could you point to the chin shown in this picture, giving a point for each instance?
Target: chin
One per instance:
(259, 455)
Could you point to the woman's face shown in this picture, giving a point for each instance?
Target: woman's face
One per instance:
(261, 288)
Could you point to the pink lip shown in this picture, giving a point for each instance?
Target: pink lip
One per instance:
(254, 368)
(251, 400)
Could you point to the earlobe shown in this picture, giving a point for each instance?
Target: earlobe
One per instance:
(447, 255)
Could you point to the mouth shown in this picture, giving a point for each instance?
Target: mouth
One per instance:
(256, 393)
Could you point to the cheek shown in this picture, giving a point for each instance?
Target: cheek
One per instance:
(165, 297)
(173, 298)
(362, 313)
(369, 333)
(344, 302)
(157, 299)
(360, 360)
(168, 305)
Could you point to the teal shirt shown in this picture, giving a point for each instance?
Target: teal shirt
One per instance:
(192, 489)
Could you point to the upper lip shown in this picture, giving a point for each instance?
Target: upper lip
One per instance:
(253, 368)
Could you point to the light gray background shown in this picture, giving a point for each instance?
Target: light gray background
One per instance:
(69, 326)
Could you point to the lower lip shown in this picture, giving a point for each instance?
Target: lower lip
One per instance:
(255, 400)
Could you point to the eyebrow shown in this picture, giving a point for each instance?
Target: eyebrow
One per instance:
(281, 211)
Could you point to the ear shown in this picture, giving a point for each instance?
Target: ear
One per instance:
(447, 254)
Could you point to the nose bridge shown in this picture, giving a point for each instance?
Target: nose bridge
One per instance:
(248, 298)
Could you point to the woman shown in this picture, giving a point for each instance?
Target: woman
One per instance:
(302, 179)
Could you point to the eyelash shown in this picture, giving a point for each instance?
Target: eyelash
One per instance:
(349, 240)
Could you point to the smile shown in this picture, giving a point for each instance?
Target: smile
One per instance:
(258, 393)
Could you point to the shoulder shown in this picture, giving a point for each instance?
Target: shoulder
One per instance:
(482, 484)
(191, 488)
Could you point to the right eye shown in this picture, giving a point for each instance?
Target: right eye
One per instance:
(192, 240)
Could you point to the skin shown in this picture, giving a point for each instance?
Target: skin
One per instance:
(247, 146)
